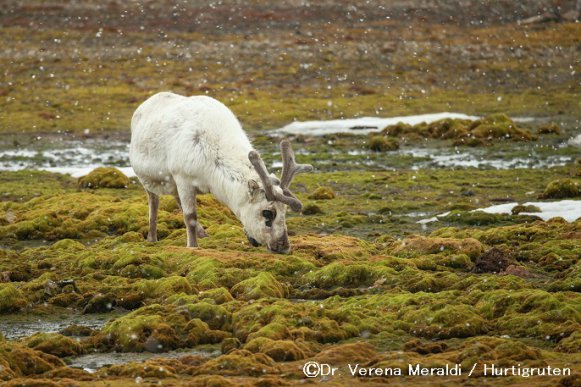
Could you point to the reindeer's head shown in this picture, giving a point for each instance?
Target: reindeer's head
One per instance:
(264, 217)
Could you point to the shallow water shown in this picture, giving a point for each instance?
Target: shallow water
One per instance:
(79, 158)
(22, 325)
(93, 361)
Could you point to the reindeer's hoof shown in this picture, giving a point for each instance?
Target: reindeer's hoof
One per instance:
(200, 232)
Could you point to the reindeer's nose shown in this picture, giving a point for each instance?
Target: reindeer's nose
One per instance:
(284, 250)
(253, 241)
(282, 246)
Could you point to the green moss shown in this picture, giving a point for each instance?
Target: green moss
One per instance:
(561, 189)
(208, 273)
(322, 193)
(11, 299)
(278, 350)
(263, 285)
(571, 344)
(54, 344)
(312, 209)
(104, 177)
(337, 274)
(522, 208)
(165, 287)
(423, 245)
(240, 362)
(216, 316)
(499, 126)
(100, 303)
(465, 132)
(69, 245)
(200, 333)
(147, 369)
(549, 128)
(19, 361)
(142, 330)
(217, 295)
(382, 144)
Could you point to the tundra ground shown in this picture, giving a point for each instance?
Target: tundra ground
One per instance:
(366, 283)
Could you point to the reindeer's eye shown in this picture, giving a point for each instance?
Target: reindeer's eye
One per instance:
(269, 216)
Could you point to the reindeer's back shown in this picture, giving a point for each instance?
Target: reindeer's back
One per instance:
(173, 135)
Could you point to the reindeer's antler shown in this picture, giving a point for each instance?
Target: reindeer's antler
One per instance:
(289, 169)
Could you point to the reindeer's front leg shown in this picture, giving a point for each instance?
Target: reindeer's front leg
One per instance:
(153, 201)
(200, 232)
(187, 196)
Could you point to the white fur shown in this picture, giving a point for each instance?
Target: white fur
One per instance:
(183, 145)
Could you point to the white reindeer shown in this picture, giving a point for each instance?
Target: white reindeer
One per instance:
(182, 146)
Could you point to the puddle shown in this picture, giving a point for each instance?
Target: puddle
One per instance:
(14, 327)
(92, 362)
(65, 154)
(476, 158)
(78, 157)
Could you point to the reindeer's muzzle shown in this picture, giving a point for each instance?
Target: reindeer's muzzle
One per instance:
(253, 241)
(282, 246)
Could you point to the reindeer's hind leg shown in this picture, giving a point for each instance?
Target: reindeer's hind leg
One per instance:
(200, 232)
(153, 201)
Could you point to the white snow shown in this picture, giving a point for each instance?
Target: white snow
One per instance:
(570, 210)
(575, 141)
(363, 125)
(433, 219)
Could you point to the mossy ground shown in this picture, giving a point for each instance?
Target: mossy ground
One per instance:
(365, 282)
(359, 276)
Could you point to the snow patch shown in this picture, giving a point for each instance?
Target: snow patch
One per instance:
(570, 210)
(363, 125)
(575, 141)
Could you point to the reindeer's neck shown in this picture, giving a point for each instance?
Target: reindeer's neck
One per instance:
(230, 185)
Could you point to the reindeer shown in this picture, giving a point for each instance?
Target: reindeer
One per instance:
(183, 146)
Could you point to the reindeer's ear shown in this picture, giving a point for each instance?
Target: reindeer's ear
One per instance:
(253, 188)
